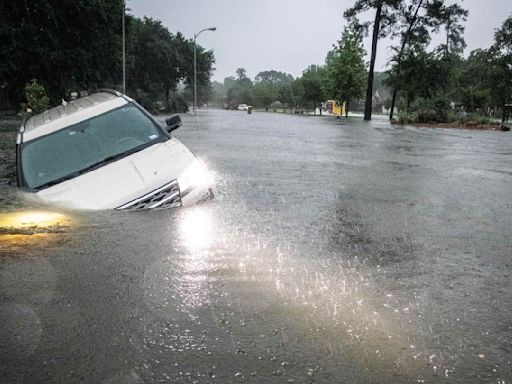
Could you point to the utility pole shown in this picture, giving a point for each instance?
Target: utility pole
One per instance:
(195, 66)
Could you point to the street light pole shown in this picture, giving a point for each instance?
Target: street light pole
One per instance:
(195, 66)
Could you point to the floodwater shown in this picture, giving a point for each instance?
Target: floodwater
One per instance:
(335, 252)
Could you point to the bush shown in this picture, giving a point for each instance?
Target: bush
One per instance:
(407, 118)
(478, 119)
(435, 110)
(276, 105)
(179, 104)
(37, 99)
(432, 116)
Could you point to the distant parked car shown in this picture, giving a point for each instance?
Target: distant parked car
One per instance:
(243, 107)
(106, 151)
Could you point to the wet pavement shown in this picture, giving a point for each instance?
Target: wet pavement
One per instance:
(336, 251)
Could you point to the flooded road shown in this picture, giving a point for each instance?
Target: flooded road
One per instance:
(335, 252)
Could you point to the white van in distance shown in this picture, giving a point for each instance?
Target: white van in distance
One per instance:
(105, 151)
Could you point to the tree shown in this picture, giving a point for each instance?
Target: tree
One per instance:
(501, 75)
(270, 86)
(475, 92)
(274, 77)
(451, 18)
(166, 60)
(151, 46)
(65, 47)
(417, 19)
(413, 29)
(297, 94)
(240, 90)
(264, 94)
(385, 18)
(241, 74)
(267, 85)
(78, 47)
(417, 84)
(37, 99)
(312, 83)
(345, 72)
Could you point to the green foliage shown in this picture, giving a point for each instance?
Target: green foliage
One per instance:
(297, 94)
(179, 104)
(475, 118)
(384, 24)
(431, 116)
(388, 16)
(270, 86)
(345, 73)
(451, 18)
(312, 83)
(264, 94)
(77, 46)
(405, 118)
(37, 99)
(433, 110)
(240, 90)
(157, 61)
(501, 64)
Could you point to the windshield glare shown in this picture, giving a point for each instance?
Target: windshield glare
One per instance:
(81, 146)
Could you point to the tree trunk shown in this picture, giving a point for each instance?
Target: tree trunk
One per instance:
(447, 48)
(167, 99)
(392, 108)
(369, 89)
(404, 42)
(346, 110)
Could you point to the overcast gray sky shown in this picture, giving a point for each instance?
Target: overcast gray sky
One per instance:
(287, 35)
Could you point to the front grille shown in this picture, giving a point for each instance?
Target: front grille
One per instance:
(167, 196)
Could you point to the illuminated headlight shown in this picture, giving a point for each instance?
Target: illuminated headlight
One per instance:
(196, 176)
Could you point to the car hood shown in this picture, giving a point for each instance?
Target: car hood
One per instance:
(124, 180)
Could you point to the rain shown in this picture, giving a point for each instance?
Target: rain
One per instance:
(334, 251)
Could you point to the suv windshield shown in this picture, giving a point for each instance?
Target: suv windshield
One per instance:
(78, 148)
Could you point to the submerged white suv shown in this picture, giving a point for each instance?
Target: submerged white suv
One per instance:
(105, 151)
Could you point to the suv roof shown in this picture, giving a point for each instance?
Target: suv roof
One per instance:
(73, 112)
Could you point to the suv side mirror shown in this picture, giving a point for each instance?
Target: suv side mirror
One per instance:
(173, 122)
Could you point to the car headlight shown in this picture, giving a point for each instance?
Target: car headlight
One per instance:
(196, 176)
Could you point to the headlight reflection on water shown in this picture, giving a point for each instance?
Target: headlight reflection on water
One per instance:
(197, 235)
(196, 229)
(32, 221)
(19, 230)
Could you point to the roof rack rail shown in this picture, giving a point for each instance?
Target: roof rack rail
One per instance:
(112, 91)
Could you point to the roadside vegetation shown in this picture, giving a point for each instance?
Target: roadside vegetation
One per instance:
(425, 84)
(77, 48)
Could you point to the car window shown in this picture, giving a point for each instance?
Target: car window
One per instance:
(83, 145)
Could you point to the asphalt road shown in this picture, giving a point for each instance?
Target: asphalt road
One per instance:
(336, 251)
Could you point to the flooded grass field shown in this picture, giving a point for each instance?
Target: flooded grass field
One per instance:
(335, 251)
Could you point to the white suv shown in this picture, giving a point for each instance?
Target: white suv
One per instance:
(105, 151)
